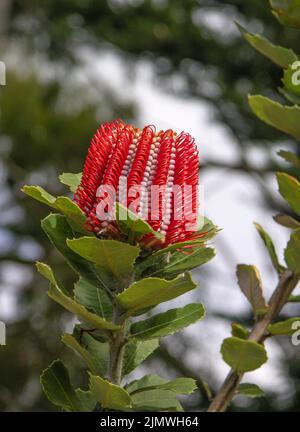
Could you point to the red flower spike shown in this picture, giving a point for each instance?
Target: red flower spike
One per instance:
(161, 171)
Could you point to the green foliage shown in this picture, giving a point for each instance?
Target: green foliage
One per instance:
(71, 180)
(250, 390)
(239, 331)
(133, 226)
(114, 257)
(283, 57)
(109, 395)
(292, 252)
(283, 327)
(251, 285)
(243, 355)
(287, 221)
(65, 205)
(152, 291)
(289, 188)
(270, 247)
(287, 12)
(57, 387)
(168, 322)
(57, 294)
(136, 352)
(282, 117)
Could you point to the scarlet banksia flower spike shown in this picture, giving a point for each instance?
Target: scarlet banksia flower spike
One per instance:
(154, 174)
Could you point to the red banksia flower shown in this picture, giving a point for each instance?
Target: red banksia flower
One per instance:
(147, 161)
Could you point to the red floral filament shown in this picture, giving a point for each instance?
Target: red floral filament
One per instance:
(146, 159)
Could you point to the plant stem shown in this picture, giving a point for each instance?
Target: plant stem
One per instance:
(287, 283)
(117, 348)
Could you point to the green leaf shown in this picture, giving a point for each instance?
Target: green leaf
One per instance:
(287, 12)
(155, 400)
(172, 264)
(56, 384)
(71, 179)
(291, 97)
(284, 327)
(282, 117)
(136, 352)
(250, 284)
(290, 157)
(95, 353)
(65, 205)
(133, 226)
(168, 322)
(87, 401)
(93, 298)
(152, 291)
(239, 331)
(56, 293)
(72, 343)
(58, 230)
(287, 221)
(292, 252)
(243, 355)
(279, 55)
(289, 188)
(109, 395)
(270, 247)
(150, 382)
(113, 256)
(250, 390)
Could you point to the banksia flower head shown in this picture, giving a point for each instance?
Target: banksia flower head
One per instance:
(154, 174)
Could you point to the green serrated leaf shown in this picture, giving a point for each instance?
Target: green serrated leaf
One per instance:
(71, 180)
(149, 382)
(56, 293)
(287, 221)
(292, 252)
(95, 353)
(58, 230)
(277, 54)
(168, 322)
(152, 291)
(270, 247)
(239, 331)
(86, 399)
(250, 284)
(56, 384)
(282, 117)
(172, 264)
(113, 256)
(289, 188)
(136, 352)
(243, 355)
(93, 298)
(109, 395)
(250, 390)
(65, 205)
(72, 343)
(155, 400)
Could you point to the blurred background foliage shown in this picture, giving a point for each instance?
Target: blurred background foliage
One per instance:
(48, 114)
